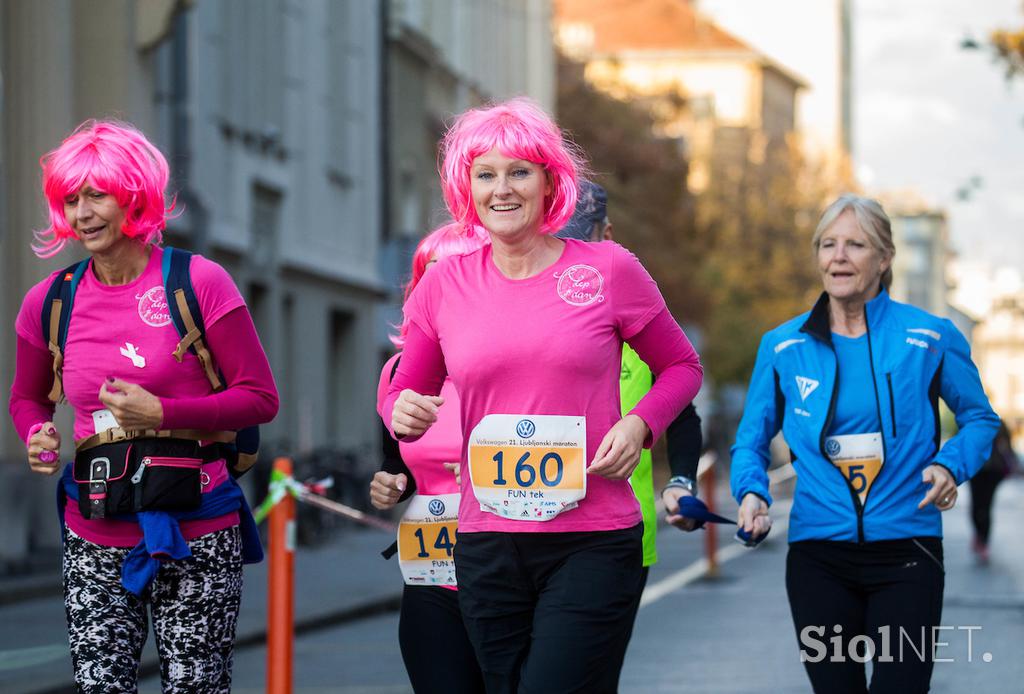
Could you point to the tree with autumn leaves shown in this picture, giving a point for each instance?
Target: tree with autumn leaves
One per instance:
(1009, 46)
(735, 260)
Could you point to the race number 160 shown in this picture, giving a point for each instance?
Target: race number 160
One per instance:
(526, 474)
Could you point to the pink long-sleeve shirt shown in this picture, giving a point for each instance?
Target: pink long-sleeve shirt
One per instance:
(105, 321)
(426, 456)
(547, 345)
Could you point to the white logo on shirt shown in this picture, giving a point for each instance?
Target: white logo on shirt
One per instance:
(153, 307)
(580, 285)
(129, 350)
(806, 386)
(925, 331)
(788, 343)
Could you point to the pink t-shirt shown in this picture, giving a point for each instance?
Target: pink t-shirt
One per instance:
(111, 324)
(546, 345)
(442, 443)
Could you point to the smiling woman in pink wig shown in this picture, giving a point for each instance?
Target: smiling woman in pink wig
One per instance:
(529, 329)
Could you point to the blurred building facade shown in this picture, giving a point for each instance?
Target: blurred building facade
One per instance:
(301, 136)
(728, 102)
(814, 38)
(921, 237)
(999, 353)
(445, 56)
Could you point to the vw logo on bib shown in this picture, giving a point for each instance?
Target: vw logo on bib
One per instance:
(832, 447)
(436, 506)
(526, 429)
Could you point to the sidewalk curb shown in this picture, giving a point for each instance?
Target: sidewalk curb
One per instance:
(47, 586)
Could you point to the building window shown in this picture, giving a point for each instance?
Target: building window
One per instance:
(264, 227)
(346, 86)
(253, 97)
(340, 383)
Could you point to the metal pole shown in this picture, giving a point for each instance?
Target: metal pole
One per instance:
(281, 590)
(710, 529)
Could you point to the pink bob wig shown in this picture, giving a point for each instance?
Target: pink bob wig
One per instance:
(117, 159)
(520, 129)
(447, 240)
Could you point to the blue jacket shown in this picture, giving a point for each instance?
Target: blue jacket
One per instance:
(916, 358)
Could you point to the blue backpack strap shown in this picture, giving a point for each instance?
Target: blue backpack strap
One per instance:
(56, 316)
(186, 315)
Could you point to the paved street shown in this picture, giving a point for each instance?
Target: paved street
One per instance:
(727, 634)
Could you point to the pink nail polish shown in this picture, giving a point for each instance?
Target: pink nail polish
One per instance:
(51, 431)
(47, 456)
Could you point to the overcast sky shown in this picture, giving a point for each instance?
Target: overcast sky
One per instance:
(927, 115)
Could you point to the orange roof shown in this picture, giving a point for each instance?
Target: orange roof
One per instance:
(629, 25)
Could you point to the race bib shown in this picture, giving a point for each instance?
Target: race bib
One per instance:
(103, 420)
(528, 467)
(859, 457)
(426, 538)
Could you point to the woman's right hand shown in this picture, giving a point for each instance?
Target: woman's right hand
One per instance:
(753, 516)
(44, 450)
(386, 489)
(413, 413)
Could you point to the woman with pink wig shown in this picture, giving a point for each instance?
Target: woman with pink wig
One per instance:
(154, 524)
(435, 647)
(529, 330)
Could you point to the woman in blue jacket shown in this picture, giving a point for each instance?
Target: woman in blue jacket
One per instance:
(854, 386)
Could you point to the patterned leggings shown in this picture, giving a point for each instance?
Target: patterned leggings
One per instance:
(194, 603)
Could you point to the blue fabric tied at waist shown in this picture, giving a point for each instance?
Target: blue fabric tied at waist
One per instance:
(161, 535)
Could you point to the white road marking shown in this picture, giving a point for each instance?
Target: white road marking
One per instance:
(27, 657)
(698, 569)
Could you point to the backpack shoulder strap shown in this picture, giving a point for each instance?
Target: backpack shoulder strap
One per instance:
(56, 316)
(187, 316)
(185, 312)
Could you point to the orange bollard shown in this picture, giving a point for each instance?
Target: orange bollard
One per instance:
(281, 589)
(710, 529)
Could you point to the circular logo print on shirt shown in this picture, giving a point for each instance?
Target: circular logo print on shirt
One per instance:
(580, 285)
(526, 428)
(153, 307)
(832, 447)
(436, 506)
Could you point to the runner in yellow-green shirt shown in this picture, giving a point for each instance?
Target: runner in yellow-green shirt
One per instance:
(590, 223)
(684, 448)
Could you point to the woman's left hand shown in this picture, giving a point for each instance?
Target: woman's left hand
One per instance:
(943, 491)
(619, 452)
(133, 406)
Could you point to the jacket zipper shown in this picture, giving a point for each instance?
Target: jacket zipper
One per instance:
(892, 404)
(878, 411)
(858, 508)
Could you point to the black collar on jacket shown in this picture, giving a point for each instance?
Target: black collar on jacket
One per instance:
(819, 324)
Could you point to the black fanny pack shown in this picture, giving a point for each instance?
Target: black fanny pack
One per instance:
(141, 475)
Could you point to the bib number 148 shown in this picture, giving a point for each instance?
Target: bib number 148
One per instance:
(442, 541)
